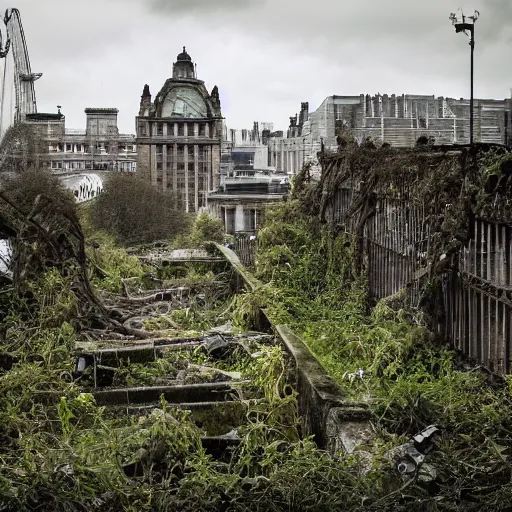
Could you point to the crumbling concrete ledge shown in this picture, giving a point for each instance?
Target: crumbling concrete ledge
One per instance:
(335, 423)
(204, 392)
(251, 282)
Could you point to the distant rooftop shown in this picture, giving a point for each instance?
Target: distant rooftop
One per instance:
(101, 111)
(40, 116)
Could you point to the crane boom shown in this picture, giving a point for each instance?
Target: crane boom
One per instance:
(23, 77)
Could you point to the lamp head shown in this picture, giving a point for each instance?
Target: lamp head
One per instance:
(475, 16)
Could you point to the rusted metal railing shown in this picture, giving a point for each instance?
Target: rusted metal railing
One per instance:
(475, 312)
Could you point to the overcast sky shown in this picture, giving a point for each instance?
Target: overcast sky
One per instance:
(266, 56)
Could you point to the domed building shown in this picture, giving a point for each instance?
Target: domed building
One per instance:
(179, 136)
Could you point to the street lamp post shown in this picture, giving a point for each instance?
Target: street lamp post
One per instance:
(461, 25)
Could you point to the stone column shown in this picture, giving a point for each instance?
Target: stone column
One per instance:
(207, 130)
(196, 129)
(239, 218)
(153, 172)
(185, 129)
(215, 166)
(164, 166)
(198, 188)
(185, 159)
(175, 167)
(209, 167)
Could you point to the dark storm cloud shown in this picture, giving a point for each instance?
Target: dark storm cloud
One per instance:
(266, 56)
(203, 6)
(495, 22)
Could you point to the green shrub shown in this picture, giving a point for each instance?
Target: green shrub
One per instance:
(135, 212)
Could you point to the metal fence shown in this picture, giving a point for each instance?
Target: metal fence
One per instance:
(475, 308)
(245, 249)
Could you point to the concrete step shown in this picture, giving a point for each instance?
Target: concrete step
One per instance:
(206, 392)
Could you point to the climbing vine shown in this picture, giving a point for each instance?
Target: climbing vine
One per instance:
(386, 357)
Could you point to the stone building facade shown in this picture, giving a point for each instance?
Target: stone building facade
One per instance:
(398, 120)
(100, 147)
(179, 136)
(248, 184)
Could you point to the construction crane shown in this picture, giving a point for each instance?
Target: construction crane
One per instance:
(20, 77)
(25, 94)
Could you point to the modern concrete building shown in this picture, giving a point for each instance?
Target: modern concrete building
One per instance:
(241, 202)
(397, 120)
(248, 184)
(242, 148)
(100, 147)
(179, 136)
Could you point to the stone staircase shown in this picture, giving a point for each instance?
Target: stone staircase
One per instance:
(186, 373)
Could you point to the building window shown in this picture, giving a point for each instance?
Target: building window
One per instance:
(202, 129)
(170, 129)
(159, 166)
(181, 129)
(69, 147)
(160, 129)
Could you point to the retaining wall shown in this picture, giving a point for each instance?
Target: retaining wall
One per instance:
(335, 423)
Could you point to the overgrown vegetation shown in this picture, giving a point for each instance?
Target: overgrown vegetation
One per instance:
(60, 451)
(135, 212)
(386, 357)
(204, 229)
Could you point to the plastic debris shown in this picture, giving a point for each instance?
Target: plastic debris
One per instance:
(410, 456)
(218, 347)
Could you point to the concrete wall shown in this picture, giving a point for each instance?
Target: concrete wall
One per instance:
(396, 119)
(336, 423)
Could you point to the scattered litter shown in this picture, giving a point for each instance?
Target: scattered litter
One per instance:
(232, 434)
(83, 362)
(410, 456)
(226, 328)
(218, 347)
(206, 369)
(359, 374)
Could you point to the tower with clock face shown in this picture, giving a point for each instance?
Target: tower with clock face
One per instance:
(179, 136)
